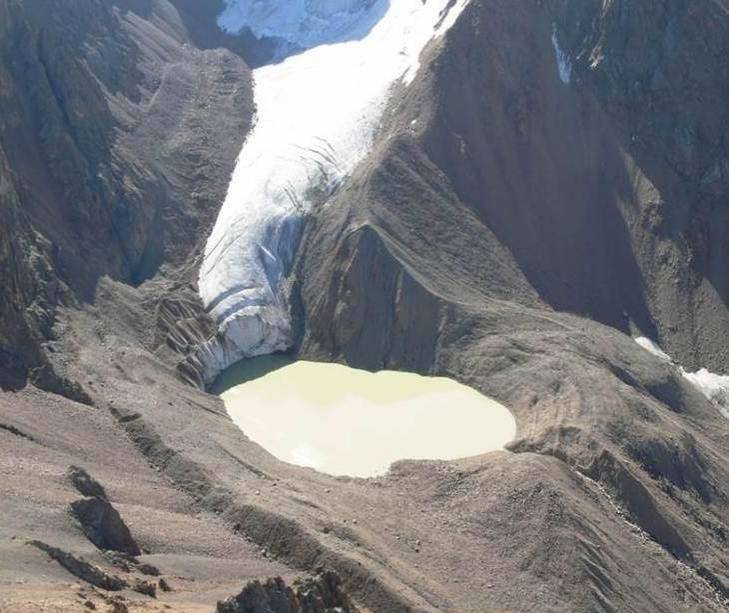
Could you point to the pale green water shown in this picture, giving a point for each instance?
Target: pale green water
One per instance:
(344, 421)
(247, 370)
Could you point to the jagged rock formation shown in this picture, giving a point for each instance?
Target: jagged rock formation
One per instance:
(321, 594)
(116, 141)
(81, 568)
(85, 483)
(95, 576)
(103, 525)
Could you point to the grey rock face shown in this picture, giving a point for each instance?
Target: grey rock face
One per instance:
(106, 168)
(103, 525)
(81, 568)
(322, 594)
(85, 483)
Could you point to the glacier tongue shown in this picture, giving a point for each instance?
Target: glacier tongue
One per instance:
(317, 113)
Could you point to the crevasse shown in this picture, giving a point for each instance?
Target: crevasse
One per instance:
(316, 116)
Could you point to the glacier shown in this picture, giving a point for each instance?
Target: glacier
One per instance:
(300, 23)
(715, 387)
(317, 113)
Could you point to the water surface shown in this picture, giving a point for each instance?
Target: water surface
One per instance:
(344, 421)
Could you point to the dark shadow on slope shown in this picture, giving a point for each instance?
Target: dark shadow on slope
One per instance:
(658, 72)
(540, 167)
(249, 369)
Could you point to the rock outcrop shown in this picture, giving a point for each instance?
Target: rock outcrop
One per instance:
(321, 594)
(81, 568)
(116, 141)
(85, 483)
(103, 525)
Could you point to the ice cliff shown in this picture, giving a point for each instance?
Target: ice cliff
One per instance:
(317, 113)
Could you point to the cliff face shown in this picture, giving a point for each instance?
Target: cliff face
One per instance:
(30, 286)
(601, 185)
(658, 72)
(535, 182)
(508, 190)
(117, 141)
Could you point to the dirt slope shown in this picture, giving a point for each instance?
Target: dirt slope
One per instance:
(498, 198)
(498, 194)
(117, 137)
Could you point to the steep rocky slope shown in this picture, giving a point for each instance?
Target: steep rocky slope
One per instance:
(657, 71)
(506, 231)
(117, 140)
(500, 190)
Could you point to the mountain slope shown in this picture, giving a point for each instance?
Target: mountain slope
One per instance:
(492, 201)
(503, 231)
(663, 96)
(117, 139)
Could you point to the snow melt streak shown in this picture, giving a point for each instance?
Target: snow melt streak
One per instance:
(564, 65)
(316, 117)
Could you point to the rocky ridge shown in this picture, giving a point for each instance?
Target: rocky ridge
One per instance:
(112, 160)
(498, 198)
(322, 594)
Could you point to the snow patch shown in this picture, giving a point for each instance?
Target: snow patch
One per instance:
(649, 345)
(317, 114)
(714, 387)
(564, 64)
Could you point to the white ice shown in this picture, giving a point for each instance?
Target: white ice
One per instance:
(317, 113)
(714, 387)
(564, 65)
(302, 23)
(649, 345)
